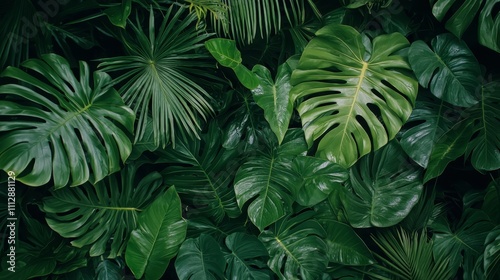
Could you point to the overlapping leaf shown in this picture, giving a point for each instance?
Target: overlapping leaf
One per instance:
(354, 98)
(247, 258)
(202, 171)
(102, 215)
(68, 130)
(489, 26)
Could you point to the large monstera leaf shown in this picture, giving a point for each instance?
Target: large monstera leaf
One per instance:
(296, 247)
(202, 171)
(95, 215)
(385, 187)
(68, 129)
(268, 182)
(355, 97)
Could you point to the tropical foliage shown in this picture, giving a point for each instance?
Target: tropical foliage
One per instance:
(236, 139)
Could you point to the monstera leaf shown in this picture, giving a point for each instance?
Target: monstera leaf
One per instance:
(489, 27)
(157, 238)
(385, 187)
(296, 247)
(247, 259)
(354, 97)
(200, 258)
(461, 18)
(449, 70)
(103, 213)
(268, 182)
(202, 171)
(62, 125)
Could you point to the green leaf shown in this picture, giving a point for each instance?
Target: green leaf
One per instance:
(226, 53)
(202, 172)
(492, 200)
(465, 242)
(461, 18)
(489, 27)
(103, 213)
(200, 258)
(247, 259)
(492, 254)
(274, 96)
(430, 120)
(344, 246)
(157, 238)
(155, 80)
(319, 178)
(385, 187)
(484, 121)
(55, 126)
(109, 270)
(296, 247)
(119, 13)
(354, 99)
(450, 69)
(268, 181)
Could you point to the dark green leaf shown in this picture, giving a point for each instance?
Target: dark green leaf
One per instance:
(157, 238)
(492, 254)
(247, 258)
(461, 18)
(118, 14)
(489, 27)
(109, 270)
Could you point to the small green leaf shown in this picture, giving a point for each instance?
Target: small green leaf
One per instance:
(109, 270)
(492, 254)
(119, 13)
(247, 259)
(200, 258)
(489, 27)
(226, 53)
(157, 238)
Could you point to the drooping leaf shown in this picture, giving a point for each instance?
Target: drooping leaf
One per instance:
(226, 53)
(155, 80)
(200, 258)
(449, 69)
(202, 171)
(95, 215)
(157, 238)
(59, 122)
(484, 119)
(247, 258)
(492, 254)
(461, 18)
(273, 96)
(344, 246)
(319, 178)
(385, 187)
(268, 181)
(118, 14)
(354, 99)
(489, 27)
(296, 247)
(463, 242)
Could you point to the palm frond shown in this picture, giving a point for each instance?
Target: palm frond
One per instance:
(159, 80)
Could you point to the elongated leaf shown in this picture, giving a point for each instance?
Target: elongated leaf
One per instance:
(489, 27)
(160, 232)
(354, 99)
(345, 246)
(103, 213)
(449, 70)
(119, 13)
(274, 96)
(247, 258)
(60, 122)
(464, 242)
(200, 258)
(492, 254)
(385, 186)
(296, 247)
(461, 18)
(319, 178)
(434, 118)
(202, 172)
(484, 119)
(268, 182)
(226, 53)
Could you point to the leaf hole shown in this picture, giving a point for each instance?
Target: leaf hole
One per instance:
(378, 94)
